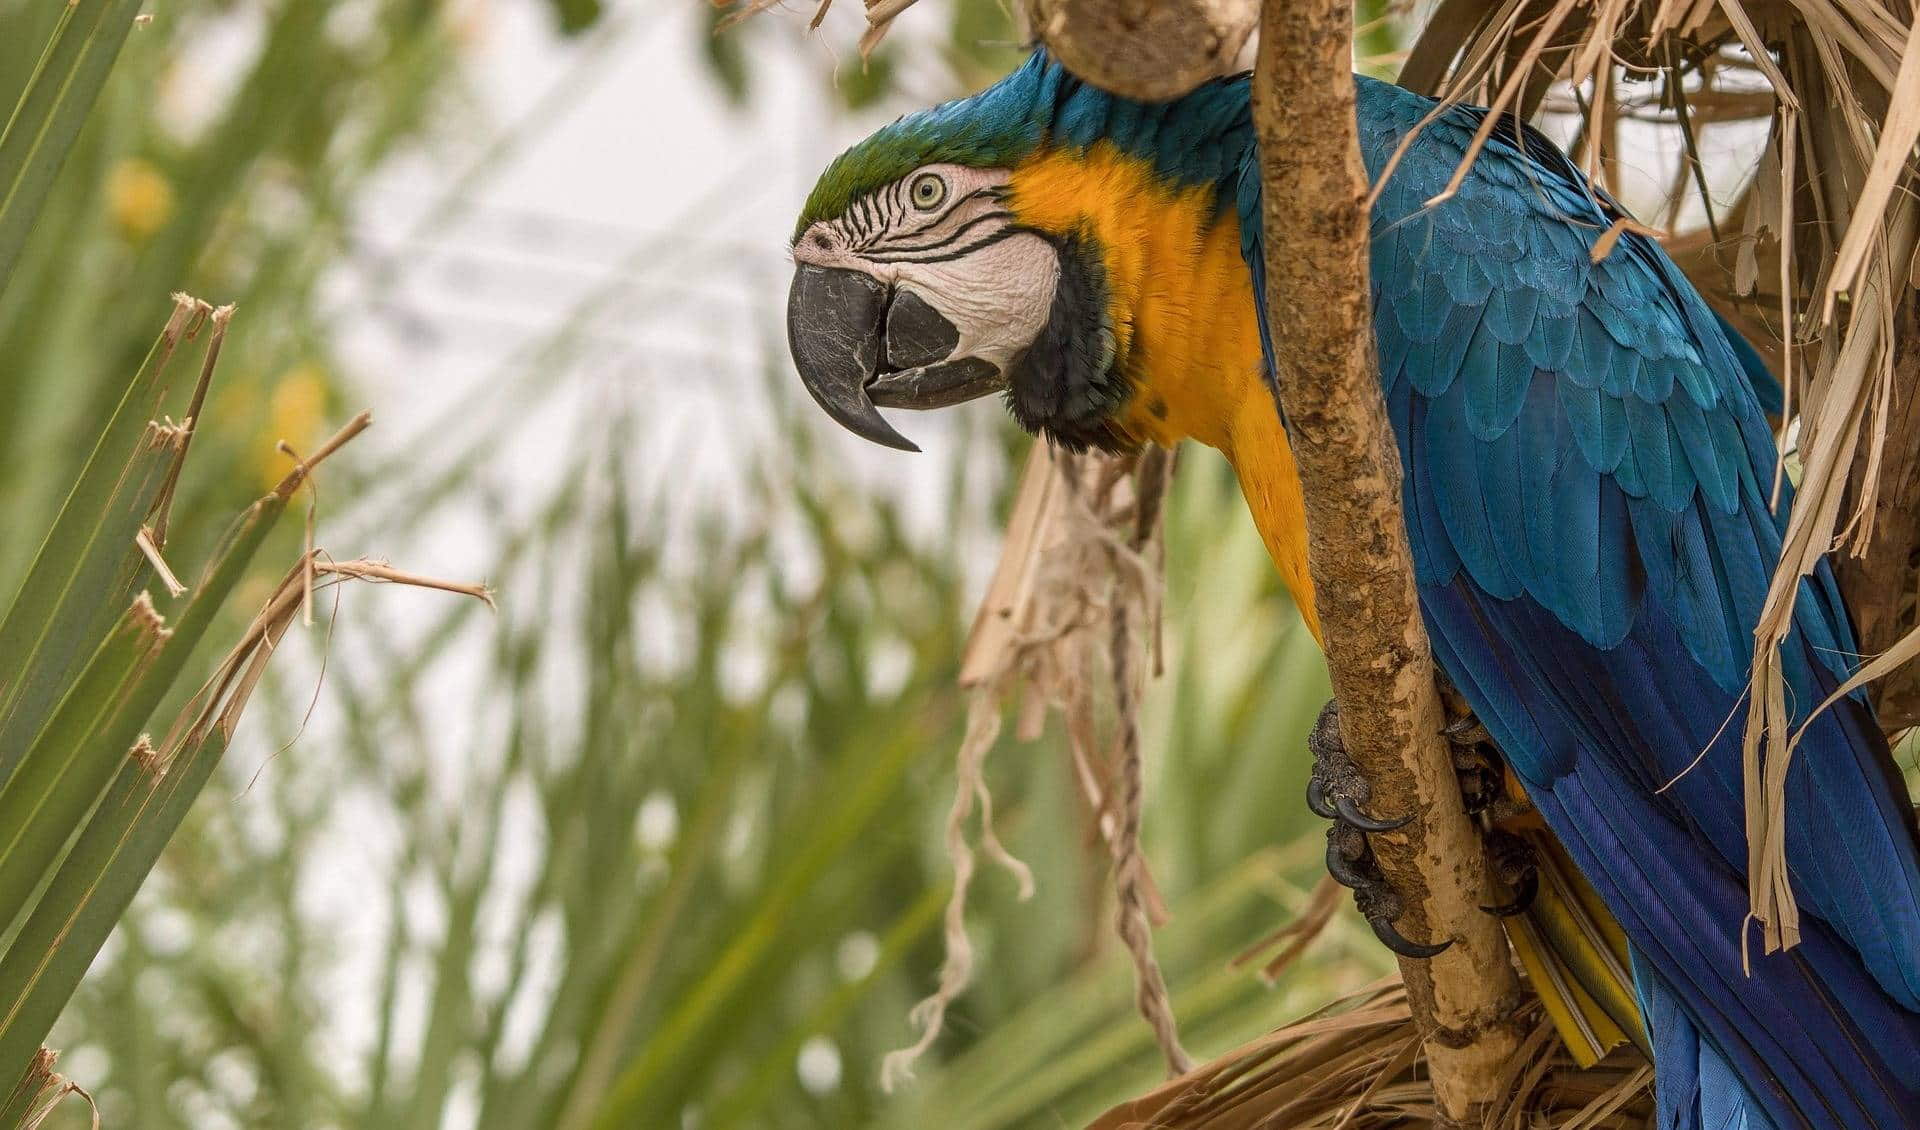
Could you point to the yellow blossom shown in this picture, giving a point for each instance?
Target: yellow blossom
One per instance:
(139, 198)
(295, 412)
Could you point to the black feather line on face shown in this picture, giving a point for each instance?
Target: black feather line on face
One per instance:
(1068, 383)
(902, 253)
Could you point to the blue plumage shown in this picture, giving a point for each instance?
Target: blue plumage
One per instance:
(1586, 494)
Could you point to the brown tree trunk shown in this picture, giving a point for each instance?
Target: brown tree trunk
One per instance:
(1316, 227)
(1152, 50)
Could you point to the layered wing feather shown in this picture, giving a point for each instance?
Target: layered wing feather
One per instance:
(1587, 468)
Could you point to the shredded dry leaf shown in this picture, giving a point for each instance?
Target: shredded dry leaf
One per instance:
(1360, 1063)
(44, 1089)
(880, 17)
(1294, 938)
(219, 702)
(1072, 612)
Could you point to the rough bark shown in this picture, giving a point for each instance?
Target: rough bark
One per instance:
(1147, 49)
(1317, 305)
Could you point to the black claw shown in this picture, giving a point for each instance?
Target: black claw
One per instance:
(1513, 863)
(1400, 943)
(1351, 814)
(1466, 730)
(1335, 792)
(1317, 799)
(1523, 896)
(1345, 871)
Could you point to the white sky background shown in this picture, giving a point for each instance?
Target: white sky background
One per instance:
(647, 181)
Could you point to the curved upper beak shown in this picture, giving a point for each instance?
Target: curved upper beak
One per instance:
(859, 344)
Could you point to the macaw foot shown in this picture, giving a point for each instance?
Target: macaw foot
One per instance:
(1513, 863)
(1337, 791)
(1483, 776)
(1483, 790)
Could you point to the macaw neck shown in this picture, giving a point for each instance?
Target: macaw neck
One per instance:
(1179, 300)
(1180, 303)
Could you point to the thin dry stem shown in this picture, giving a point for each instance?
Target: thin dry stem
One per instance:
(368, 569)
(148, 543)
(301, 470)
(1322, 904)
(49, 1089)
(1081, 553)
(162, 512)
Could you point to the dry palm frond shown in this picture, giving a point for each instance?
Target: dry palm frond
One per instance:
(1071, 612)
(1293, 939)
(42, 1090)
(880, 17)
(1359, 1064)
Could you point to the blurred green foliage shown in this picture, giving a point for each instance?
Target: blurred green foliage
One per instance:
(659, 845)
(576, 16)
(635, 879)
(223, 174)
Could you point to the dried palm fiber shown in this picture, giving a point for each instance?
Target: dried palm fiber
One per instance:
(1072, 611)
(880, 16)
(1359, 1063)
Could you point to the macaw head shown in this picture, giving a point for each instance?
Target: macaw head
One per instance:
(971, 249)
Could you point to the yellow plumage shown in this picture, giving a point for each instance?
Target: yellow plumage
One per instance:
(1182, 310)
(1181, 307)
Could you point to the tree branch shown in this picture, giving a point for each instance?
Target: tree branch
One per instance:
(1316, 226)
(1152, 50)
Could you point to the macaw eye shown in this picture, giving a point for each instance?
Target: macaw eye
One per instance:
(927, 191)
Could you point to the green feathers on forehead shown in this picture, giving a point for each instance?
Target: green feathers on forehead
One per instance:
(1203, 138)
(993, 129)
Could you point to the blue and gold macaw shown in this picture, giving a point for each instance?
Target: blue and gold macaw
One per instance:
(1587, 473)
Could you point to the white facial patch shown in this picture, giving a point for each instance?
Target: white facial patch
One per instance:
(997, 297)
(993, 283)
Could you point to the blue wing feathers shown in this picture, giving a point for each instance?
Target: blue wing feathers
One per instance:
(1502, 373)
(1719, 483)
(1446, 356)
(1510, 313)
(1587, 477)
(1551, 343)
(1852, 1066)
(1467, 284)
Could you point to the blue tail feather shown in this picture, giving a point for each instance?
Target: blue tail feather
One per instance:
(1831, 1046)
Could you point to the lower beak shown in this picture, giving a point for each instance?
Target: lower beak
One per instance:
(843, 326)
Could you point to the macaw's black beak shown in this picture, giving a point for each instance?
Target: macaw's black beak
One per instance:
(858, 345)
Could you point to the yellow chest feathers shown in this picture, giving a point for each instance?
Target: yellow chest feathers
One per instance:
(1181, 305)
